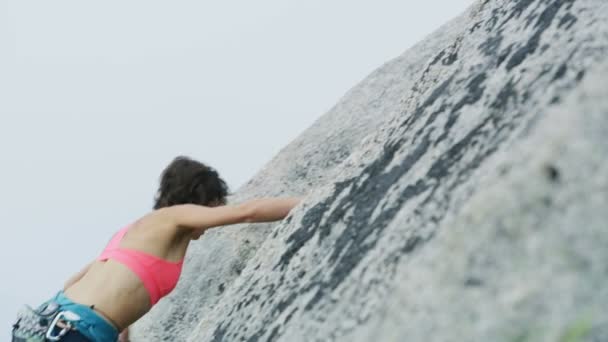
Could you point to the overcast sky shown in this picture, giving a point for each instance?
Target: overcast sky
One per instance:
(96, 97)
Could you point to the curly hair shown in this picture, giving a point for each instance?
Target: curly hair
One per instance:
(187, 181)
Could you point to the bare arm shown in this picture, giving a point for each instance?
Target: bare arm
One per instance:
(259, 210)
(270, 209)
(76, 277)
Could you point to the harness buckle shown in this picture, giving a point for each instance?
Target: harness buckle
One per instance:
(69, 317)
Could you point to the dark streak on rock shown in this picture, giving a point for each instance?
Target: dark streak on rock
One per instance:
(544, 48)
(290, 315)
(220, 333)
(452, 52)
(491, 23)
(473, 282)
(251, 299)
(475, 27)
(580, 75)
(491, 46)
(474, 94)
(517, 10)
(411, 244)
(567, 21)
(505, 95)
(552, 173)
(274, 334)
(504, 54)
(310, 221)
(256, 337)
(450, 59)
(437, 92)
(437, 59)
(284, 304)
(542, 24)
(561, 71)
(418, 113)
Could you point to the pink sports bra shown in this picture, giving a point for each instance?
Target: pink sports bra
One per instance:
(158, 275)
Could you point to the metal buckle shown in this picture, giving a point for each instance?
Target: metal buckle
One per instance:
(69, 316)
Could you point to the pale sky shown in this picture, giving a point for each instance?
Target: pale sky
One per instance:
(97, 97)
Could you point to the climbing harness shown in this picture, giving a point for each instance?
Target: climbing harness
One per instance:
(39, 325)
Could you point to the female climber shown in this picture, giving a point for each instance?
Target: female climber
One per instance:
(143, 261)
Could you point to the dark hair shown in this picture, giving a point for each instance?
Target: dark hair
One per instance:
(187, 181)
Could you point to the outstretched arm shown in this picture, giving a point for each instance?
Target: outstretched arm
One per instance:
(270, 209)
(192, 216)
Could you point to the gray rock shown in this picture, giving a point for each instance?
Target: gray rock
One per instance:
(309, 162)
(458, 194)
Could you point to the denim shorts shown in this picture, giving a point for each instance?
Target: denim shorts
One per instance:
(91, 324)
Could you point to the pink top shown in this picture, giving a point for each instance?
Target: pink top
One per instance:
(158, 275)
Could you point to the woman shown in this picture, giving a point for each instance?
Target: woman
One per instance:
(143, 261)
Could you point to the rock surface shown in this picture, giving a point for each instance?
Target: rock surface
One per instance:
(458, 194)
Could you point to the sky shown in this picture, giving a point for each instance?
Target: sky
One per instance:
(97, 97)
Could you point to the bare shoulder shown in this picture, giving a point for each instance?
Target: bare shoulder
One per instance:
(156, 222)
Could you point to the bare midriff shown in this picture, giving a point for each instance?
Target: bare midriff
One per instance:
(106, 318)
(115, 292)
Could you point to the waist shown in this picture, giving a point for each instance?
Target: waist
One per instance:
(91, 323)
(107, 318)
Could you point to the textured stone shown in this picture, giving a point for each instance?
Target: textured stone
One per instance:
(458, 194)
(309, 162)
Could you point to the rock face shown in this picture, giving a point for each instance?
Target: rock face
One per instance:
(460, 193)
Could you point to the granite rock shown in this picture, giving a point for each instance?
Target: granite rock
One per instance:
(459, 193)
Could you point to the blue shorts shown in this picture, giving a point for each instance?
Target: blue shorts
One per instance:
(90, 325)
